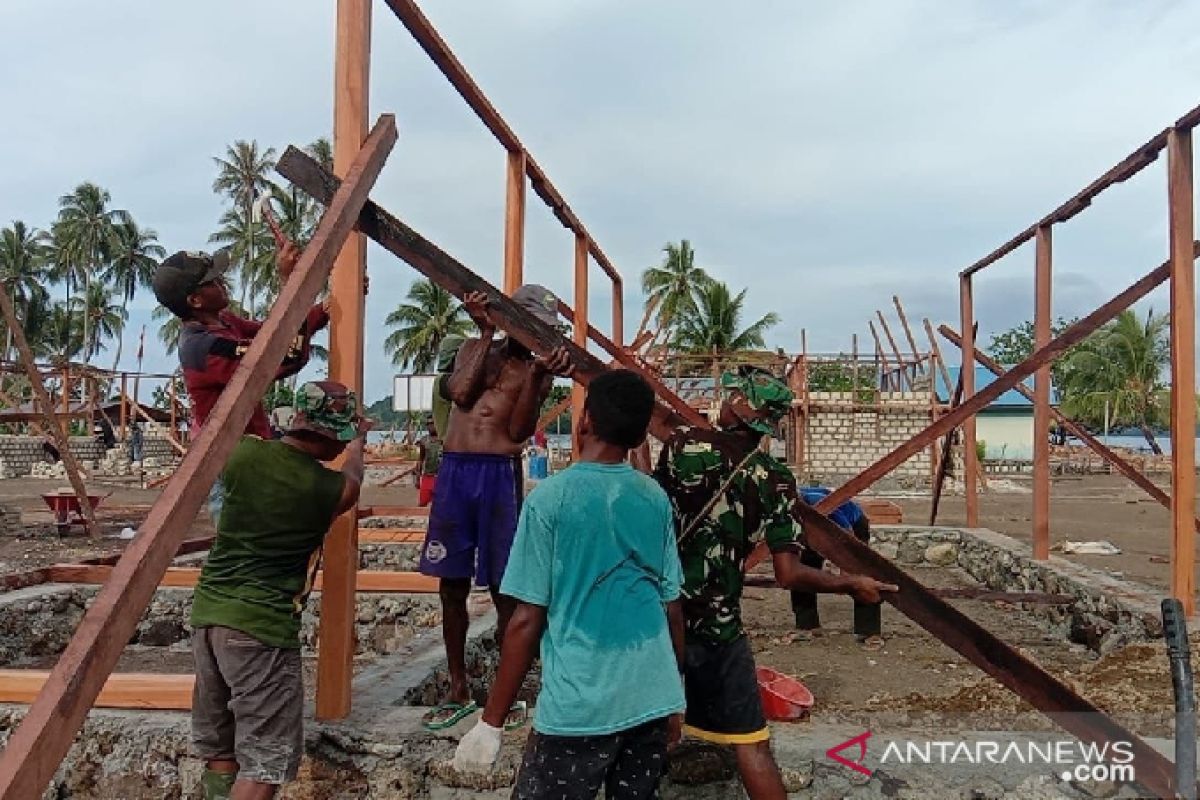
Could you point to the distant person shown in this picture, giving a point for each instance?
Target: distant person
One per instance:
(248, 703)
(212, 339)
(596, 577)
(136, 442)
(867, 616)
(429, 458)
(497, 388)
(105, 436)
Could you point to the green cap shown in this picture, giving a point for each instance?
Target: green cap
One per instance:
(330, 409)
(764, 392)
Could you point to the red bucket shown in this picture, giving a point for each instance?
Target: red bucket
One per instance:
(784, 698)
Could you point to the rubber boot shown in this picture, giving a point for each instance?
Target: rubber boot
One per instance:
(217, 785)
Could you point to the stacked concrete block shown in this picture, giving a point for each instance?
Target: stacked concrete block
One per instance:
(843, 436)
(10, 520)
(23, 455)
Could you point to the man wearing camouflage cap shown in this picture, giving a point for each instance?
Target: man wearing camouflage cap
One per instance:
(280, 500)
(728, 495)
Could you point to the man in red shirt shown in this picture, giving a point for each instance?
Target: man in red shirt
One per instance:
(212, 340)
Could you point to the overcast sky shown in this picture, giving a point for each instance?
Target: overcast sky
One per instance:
(826, 156)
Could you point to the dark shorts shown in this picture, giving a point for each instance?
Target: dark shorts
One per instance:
(628, 764)
(474, 513)
(723, 703)
(248, 704)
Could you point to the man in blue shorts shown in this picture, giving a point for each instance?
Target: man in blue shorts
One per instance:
(497, 388)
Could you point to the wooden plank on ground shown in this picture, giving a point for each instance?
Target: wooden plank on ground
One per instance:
(186, 578)
(41, 740)
(393, 511)
(122, 690)
(390, 535)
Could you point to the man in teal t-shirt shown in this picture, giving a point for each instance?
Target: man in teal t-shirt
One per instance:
(596, 572)
(279, 502)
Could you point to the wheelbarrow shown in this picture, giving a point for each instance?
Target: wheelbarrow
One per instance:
(67, 511)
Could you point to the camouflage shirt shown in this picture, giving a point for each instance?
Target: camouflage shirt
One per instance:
(693, 465)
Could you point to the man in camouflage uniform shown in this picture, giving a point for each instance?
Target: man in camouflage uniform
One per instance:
(728, 496)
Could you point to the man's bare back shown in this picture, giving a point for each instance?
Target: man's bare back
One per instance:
(498, 388)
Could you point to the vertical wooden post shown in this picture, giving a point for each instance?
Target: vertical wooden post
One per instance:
(66, 392)
(581, 334)
(1041, 399)
(171, 394)
(967, 370)
(335, 655)
(1183, 368)
(514, 222)
(618, 313)
(854, 363)
(124, 412)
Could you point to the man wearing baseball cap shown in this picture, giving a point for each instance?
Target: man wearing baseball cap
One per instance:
(279, 503)
(728, 496)
(212, 339)
(497, 388)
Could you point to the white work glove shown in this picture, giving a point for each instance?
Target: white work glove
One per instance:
(479, 749)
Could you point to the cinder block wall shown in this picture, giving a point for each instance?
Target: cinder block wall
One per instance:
(842, 438)
(20, 452)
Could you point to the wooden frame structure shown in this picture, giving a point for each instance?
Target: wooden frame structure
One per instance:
(1176, 141)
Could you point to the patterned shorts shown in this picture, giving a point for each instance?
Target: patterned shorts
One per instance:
(628, 764)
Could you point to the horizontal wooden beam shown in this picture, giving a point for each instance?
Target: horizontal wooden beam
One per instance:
(1132, 164)
(1119, 464)
(148, 691)
(186, 578)
(390, 535)
(41, 740)
(393, 511)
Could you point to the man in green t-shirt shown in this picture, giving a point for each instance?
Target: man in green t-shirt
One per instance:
(279, 502)
(429, 458)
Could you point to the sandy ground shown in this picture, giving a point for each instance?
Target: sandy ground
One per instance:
(1081, 509)
(913, 671)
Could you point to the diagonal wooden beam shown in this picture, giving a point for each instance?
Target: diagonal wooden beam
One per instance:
(40, 742)
(937, 354)
(912, 342)
(975, 643)
(1119, 464)
(437, 265)
(1003, 663)
(53, 422)
(947, 453)
(900, 368)
(980, 400)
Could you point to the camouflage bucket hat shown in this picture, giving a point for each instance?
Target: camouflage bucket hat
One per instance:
(329, 409)
(764, 392)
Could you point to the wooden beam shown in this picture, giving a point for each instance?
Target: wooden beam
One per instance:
(980, 400)
(54, 424)
(1183, 368)
(37, 746)
(578, 391)
(1132, 164)
(409, 470)
(1001, 661)
(514, 221)
(437, 265)
(1041, 398)
(971, 465)
(393, 511)
(626, 360)
(900, 368)
(347, 309)
(391, 535)
(554, 412)
(121, 690)
(885, 379)
(943, 467)
(937, 355)
(186, 578)
(975, 643)
(912, 343)
(1078, 431)
(618, 313)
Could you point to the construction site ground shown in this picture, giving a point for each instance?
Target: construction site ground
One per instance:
(913, 669)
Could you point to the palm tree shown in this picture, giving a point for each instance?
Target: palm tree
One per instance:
(241, 177)
(250, 247)
(22, 271)
(716, 323)
(102, 318)
(431, 316)
(168, 329)
(1121, 366)
(86, 234)
(673, 284)
(135, 254)
(60, 334)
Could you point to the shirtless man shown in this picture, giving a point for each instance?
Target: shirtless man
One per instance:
(498, 389)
